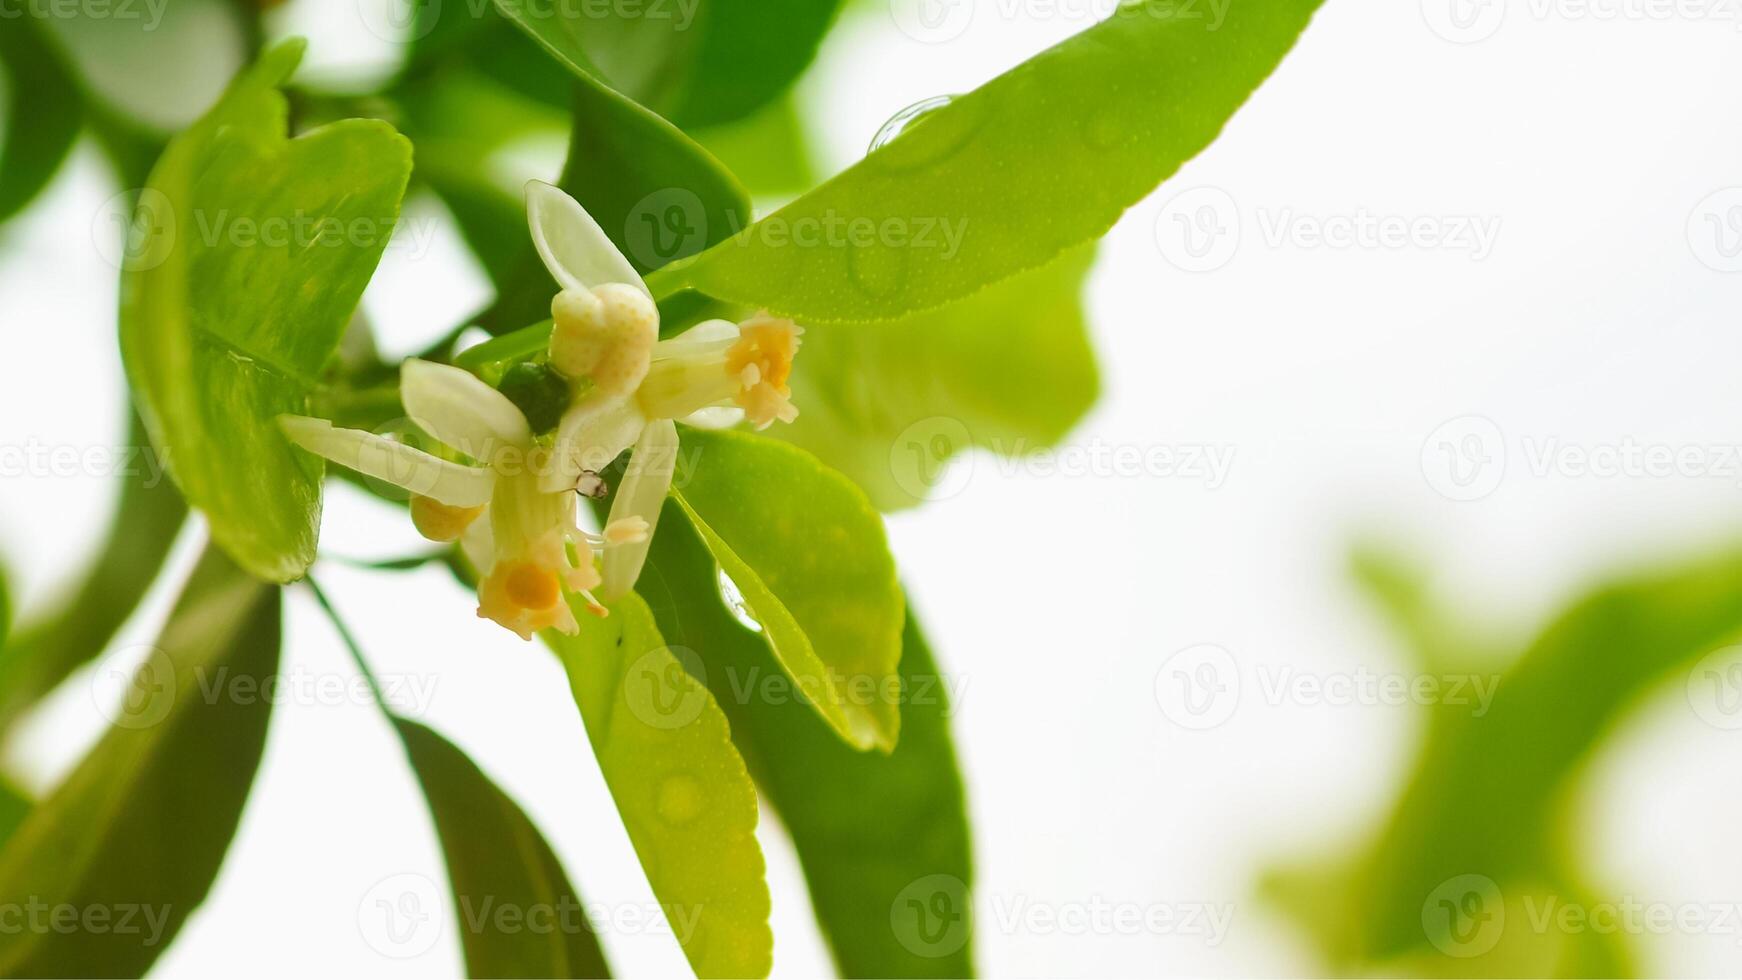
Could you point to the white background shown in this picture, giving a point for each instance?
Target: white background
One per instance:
(1055, 599)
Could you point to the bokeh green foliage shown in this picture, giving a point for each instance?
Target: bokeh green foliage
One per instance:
(1463, 875)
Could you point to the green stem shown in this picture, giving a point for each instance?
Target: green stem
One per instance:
(350, 645)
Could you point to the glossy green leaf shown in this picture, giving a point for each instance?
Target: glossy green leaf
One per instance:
(45, 650)
(1009, 370)
(680, 786)
(875, 833)
(1042, 158)
(251, 251)
(130, 843)
(498, 863)
(808, 553)
(42, 110)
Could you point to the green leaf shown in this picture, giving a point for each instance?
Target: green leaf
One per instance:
(696, 63)
(1463, 816)
(253, 252)
(144, 526)
(462, 125)
(14, 807)
(872, 831)
(769, 151)
(745, 54)
(497, 860)
(1003, 179)
(655, 191)
(1009, 370)
(809, 555)
(132, 840)
(42, 110)
(681, 788)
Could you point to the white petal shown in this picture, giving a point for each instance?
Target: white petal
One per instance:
(641, 494)
(461, 411)
(392, 462)
(705, 332)
(714, 417)
(478, 544)
(573, 246)
(590, 435)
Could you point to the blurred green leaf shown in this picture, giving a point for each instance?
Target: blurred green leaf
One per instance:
(252, 252)
(1005, 178)
(497, 860)
(745, 54)
(769, 150)
(808, 553)
(1009, 370)
(680, 786)
(132, 840)
(14, 807)
(1486, 801)
(75, 631)
(42, 110)
(696, 62)
(462, 124)
(872, 831)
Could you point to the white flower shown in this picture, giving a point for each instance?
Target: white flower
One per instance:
(530, 550)
(605, 330)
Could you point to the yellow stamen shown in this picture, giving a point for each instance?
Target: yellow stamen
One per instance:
(761, 360)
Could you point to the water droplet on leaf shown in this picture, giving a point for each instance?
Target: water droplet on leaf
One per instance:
(899, 122)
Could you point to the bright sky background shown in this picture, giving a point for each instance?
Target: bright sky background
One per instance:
(1599, 312)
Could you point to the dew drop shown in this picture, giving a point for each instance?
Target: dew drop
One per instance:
(899, 122)
(733, 597)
